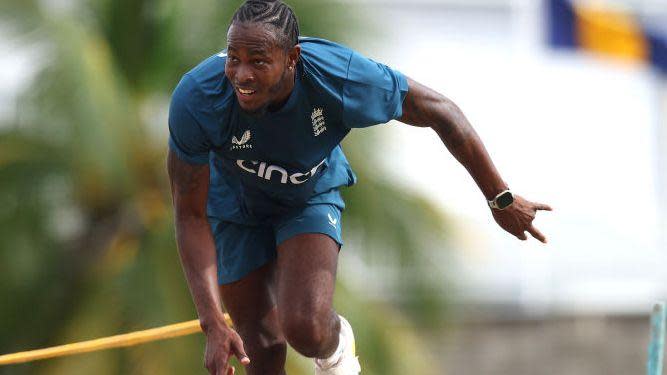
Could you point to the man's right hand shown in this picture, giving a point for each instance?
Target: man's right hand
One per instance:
(196, 247)
(221, 344)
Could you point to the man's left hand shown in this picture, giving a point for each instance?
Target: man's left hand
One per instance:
(518, 218)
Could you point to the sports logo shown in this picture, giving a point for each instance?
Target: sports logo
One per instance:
(269, 171)
(317, 117)
(332, 221)
(238, 144)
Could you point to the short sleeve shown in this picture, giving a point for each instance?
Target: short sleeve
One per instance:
(186, 136)
(373, 93)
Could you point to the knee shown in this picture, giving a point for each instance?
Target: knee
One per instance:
(309, 333)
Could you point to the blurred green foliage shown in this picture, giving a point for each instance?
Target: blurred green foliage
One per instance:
(86, 231)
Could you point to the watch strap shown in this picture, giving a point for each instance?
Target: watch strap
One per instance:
(494, 202)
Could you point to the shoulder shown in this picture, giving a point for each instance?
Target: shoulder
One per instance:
(335, 61)
(325, 58)
(202, 104)
(205, 85)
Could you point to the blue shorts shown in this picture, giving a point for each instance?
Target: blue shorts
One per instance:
(242, 248)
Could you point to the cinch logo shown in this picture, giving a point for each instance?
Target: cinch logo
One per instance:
(241, 144)
(266, 171)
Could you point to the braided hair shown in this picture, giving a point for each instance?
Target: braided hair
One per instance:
(271, 12)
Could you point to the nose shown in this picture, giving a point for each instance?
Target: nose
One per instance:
(244, 74)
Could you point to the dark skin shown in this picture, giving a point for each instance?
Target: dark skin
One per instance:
(189, 186)
(256, 63)
(266, 308)
(424, 107)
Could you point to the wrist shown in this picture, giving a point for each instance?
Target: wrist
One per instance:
(212, 323)
(492, 191)
(502, 200)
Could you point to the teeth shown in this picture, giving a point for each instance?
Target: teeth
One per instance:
(246, 92)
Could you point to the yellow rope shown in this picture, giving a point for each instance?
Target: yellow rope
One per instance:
(118, 341)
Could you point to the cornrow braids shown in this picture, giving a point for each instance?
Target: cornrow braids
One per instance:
(271, 12)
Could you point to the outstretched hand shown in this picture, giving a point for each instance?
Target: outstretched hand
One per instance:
(518, 218)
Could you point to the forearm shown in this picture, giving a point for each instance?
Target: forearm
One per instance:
(466, 146)
(198, 258)
(189, 187)
(424, 107)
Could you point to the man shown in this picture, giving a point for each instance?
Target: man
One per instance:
(255, 167)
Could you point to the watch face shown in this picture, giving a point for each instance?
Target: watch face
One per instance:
(505, 200)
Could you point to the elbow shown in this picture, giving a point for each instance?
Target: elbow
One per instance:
(187, 217)
(445, 114)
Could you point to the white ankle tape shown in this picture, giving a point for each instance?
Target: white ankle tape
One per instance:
(333, 359)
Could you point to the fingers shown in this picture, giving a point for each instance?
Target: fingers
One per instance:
(237, 349)
(542, 207)
(219, 350)
(218, 365)
(536, 234)
(223, 370)
(220, 369)
(518, 219)
(226, 370)
(534, 231)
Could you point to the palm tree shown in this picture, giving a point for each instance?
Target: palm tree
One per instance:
(87, 232)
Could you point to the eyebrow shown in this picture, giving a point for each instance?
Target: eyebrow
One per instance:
(251, 51)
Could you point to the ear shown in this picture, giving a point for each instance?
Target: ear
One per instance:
(293, 56)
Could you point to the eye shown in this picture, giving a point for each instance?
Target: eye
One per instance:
(259, 62)
(232, 59)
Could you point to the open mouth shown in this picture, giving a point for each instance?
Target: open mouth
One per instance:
(245, 92)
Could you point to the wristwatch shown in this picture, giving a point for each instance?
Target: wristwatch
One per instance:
(503, 200)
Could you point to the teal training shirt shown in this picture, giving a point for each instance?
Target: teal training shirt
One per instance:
(266, 166)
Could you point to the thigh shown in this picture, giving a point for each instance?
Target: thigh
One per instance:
(251, 301)
(306, 274)
(307, 257)
(251, 304)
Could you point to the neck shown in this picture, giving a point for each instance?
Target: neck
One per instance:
(285, 89)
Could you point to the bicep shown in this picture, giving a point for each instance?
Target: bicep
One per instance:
(422, 106)
(189, 186)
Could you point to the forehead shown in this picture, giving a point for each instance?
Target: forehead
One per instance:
(253, 37)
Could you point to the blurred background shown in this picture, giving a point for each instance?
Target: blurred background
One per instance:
(570, 99)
